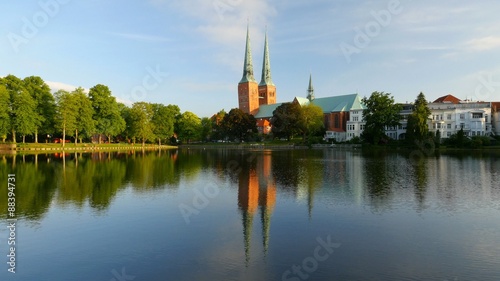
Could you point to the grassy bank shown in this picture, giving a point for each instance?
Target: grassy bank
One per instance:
(26, 147)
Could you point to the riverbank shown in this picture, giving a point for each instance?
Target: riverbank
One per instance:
(69, 147)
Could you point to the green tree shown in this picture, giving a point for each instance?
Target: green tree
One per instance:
(163, 121)
(85, 124)
(67, 110)
(189, 126)
(417, 128)
(44, 103)
(286, 120)
(141, 115)
(311, 120)
(125, 113)
(15, 87)
(380, 112)
(24, 110)
(206, 128)
(239, 125)
(107, 115)
(5, 112)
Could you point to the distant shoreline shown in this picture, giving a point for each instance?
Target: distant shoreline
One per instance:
(70, 147)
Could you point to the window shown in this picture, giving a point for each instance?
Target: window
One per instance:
(448, 126)
(486, 118)
(355, 118)
(477, 115)
(362, 127)
(336, 121)
(439, 126)
(462, 116)
(448, 116)
(448, 134)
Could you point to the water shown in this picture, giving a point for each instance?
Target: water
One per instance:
(253, 215)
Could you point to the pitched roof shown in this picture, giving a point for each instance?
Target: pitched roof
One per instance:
(266, 111)
(339, 103)
(447, 99)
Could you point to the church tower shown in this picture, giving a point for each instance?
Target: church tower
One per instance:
(248, 90)
(267, 89)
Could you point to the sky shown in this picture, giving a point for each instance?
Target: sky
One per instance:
(190, 52)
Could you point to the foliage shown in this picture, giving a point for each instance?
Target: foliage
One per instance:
(5, 112)
(206, 128)
(141, 115)
(23, 111)
(311, 120)
(239, 125)
(44, 103)
(380, 112)
(189, 126)
(67, 110)
(286, 120)
(163, 121)
(417, 128)
(106, 112)
(85, 124)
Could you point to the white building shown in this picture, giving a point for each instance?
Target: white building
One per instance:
(449, 115)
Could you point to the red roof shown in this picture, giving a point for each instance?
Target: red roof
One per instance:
(448, 98)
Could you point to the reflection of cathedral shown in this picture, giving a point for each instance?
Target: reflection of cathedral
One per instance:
(257, 191)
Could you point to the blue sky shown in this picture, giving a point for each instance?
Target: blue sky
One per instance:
(190, 52)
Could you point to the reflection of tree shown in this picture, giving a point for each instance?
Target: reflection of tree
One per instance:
(152, 170)
(34, 187)
(377, 178)
(420, 180)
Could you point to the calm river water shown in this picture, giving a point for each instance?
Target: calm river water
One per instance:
(251, 215)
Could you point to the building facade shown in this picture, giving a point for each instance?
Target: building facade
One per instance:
(449, 117)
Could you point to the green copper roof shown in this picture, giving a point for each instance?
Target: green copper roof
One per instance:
(266, 111)
(310, 89)
(247, 66)
(339, 103)
(266, 67)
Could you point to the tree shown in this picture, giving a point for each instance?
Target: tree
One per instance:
(24, 110)
(85, 124)
(67, 110)
(141, 115)
(44, 103)
(239, 125)
(189, 126)
(286, 120)
(380, 112)
(206, 128)
(5, 112)
(311, 119)
(217, 129)
(163, 121)
(106, 112)
(15, 87)
(417, 128)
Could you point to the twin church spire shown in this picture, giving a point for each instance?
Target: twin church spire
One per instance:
(248, 75)
(250, 94)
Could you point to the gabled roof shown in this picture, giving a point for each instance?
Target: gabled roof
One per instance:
(339, 103)
(447, 99)
(301, 101)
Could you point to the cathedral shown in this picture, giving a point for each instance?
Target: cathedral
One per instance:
(260, 99)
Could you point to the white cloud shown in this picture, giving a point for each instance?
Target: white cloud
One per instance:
(483, 44)
(55, 86)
